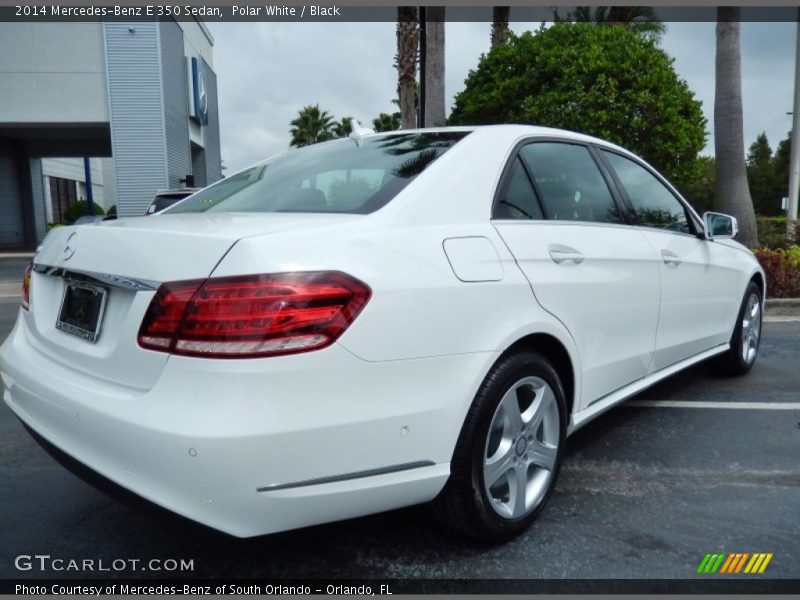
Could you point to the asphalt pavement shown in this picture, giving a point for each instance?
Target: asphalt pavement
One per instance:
(12, 268)
(645, 492)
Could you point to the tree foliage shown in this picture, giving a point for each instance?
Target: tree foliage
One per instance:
(767, 175)
(765, 187)
(781, 163)
(698, 187)
(605, 81)
(312, 125)
(343, 127)
(386, 122)
(81, 209)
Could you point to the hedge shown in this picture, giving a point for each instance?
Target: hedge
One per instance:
(782, 268)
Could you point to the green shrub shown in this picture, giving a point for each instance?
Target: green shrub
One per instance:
(605, 81)
(782, 268)
(772, 232)
(80, 209)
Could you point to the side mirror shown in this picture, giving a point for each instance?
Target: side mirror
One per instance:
(718, 226)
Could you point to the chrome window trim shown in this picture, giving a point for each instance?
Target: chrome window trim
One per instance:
(589, 224)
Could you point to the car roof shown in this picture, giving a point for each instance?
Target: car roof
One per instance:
(511, 132)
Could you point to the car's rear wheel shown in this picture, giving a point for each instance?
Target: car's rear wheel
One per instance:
(746, 337)
(508, 454)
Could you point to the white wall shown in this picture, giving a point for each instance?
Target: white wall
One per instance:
(72, 168)
(52, 73)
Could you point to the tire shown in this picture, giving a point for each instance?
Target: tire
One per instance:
(746, 338)
(494, 448)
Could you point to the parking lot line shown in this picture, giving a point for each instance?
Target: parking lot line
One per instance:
(705, 404)
(10, 289)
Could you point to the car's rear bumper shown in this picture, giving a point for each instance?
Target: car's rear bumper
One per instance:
(323, 436)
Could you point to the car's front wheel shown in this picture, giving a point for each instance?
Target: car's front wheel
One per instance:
(746, 335)
(509, 451)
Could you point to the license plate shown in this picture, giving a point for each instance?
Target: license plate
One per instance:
(82, 310)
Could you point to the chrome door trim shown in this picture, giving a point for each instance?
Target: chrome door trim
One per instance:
(273, 487)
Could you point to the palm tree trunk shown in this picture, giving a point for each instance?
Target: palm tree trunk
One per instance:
(406, 63)
(620, 16)
(500, 16)
(434, 67)
(732, 194)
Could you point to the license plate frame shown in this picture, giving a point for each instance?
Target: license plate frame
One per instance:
(82, 308)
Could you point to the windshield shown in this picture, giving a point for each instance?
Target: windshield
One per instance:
(343, 176)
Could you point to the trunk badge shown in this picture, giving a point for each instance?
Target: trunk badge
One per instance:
(69, 249)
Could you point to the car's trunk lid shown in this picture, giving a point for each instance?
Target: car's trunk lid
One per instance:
(126, 260)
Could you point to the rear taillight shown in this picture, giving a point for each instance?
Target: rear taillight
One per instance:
(26, 287)
(252, 315)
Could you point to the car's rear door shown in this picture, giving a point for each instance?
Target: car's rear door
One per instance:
(699, 297)
(556, 212)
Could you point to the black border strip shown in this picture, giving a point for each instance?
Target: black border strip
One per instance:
(116, 586)
(215, 11)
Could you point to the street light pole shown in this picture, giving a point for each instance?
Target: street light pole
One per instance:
(423, 64)
(794, 155)
(87, 170)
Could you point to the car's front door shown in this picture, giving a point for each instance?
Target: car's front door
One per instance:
(699, 299)
(557, 215)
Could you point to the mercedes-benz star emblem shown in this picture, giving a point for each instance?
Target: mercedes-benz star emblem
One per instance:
(72, 245)
(203, 94)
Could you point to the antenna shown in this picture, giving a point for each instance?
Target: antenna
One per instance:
(357, 132)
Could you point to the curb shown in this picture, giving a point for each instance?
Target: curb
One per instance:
(782, 307)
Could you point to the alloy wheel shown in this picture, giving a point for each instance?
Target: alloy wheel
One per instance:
(521, 448)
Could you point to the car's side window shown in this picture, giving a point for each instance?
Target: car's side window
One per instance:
(517, 199)
(571, 185)
(654, 204)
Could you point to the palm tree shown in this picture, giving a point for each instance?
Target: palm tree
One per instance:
(343, 128)
(500, 16)
(312, 125)
(406, 64)
(434, 67)
(386, 122)
(731, 193)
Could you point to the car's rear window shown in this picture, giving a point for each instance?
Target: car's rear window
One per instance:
(343, 176)
(163, 201)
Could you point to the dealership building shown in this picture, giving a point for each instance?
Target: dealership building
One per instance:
(139, 99)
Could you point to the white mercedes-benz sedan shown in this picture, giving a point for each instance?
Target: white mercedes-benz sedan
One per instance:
(375, 322)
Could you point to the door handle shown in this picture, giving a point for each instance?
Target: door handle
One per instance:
(670, 258)
(565, 254)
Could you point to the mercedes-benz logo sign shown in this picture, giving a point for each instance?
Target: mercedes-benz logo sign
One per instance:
(203, 94)
(72, 245)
